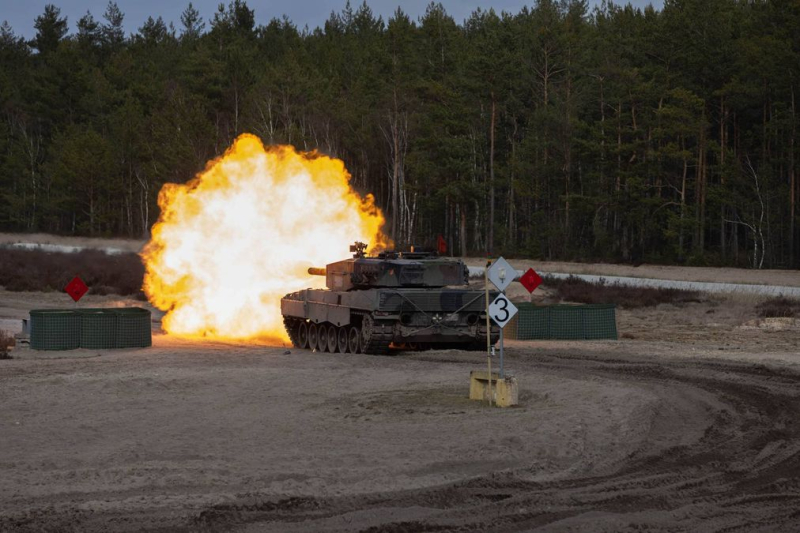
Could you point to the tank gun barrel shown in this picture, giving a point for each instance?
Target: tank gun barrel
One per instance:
(316, 271)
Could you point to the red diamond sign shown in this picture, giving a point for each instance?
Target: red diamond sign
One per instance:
(76, 288)
(530, 280)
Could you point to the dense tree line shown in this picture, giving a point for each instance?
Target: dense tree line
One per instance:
(558, 131)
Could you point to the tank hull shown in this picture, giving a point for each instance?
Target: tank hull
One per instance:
(384, 318)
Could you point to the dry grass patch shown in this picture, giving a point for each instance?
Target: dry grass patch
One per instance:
(574, 289)
(34, 270)
(6, 343)
(779, 307)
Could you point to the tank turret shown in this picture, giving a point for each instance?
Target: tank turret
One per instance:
(393, 269)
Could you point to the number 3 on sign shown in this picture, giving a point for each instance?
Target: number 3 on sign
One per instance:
(502, 310)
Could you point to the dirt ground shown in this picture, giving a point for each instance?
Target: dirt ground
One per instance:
(687, 423)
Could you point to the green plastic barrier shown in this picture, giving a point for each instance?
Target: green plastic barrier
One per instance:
(103, 328)
(55, 329)
(564, 322)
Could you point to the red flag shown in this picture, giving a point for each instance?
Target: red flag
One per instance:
(441, 245)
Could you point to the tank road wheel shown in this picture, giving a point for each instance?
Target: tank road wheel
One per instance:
(290, 323)
(374, 339)
(312, 336)
(354, 340)
(302, 335)
(333, 333)
(366, 333)
(341, 340)
(322, 337)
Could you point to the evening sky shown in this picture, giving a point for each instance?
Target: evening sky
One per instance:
(22, 13)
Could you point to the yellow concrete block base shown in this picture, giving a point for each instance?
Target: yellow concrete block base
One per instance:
(505, 392)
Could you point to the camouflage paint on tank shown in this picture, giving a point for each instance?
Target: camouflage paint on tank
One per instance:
(369, 272)
(400, 298)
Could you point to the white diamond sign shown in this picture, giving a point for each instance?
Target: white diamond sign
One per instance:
(501, 273)
(502, 310)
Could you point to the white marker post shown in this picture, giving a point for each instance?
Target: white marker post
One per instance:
(502, 310)
(502, 353)
(501, 274)
(488, 330)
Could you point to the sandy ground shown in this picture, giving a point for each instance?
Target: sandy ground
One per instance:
(688, 423)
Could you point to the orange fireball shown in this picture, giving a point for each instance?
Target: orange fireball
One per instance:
(234, 240)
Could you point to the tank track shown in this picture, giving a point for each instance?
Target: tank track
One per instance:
(290, 323)
(380, 335)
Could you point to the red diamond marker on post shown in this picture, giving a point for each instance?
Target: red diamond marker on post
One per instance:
(530, 280)
(76, 288)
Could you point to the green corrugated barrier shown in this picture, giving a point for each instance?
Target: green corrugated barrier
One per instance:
(563, 322)
(65, 329)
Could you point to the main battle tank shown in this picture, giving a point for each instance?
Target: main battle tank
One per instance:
(407, 300)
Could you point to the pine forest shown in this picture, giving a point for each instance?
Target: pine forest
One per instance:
(562, 131)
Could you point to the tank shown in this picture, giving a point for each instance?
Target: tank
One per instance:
(413, 300)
